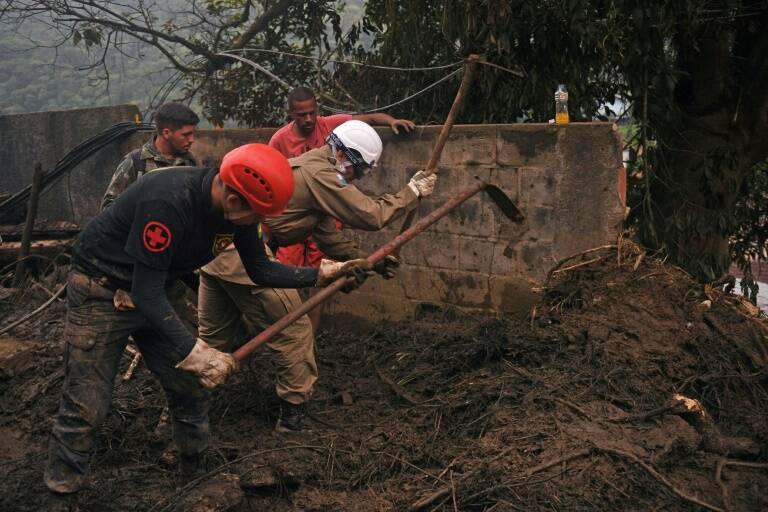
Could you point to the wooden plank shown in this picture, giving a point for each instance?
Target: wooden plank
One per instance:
(9, 251)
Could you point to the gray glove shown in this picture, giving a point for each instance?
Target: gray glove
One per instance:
(356, 270)
(211, 366)
(423, 184)
(386, 267)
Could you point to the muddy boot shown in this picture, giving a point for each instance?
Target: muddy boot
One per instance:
(63, 502)
(291, 418)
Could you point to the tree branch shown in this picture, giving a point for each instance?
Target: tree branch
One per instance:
(261, 23)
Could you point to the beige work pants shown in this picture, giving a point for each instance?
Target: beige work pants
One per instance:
(226, 310)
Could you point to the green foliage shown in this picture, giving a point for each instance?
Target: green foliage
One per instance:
(751, 219)
(694, 71)
(238, 92)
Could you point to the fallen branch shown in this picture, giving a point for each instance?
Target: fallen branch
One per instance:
(661, 478)
(397, 388)
(573, 406)
(43, 288)
(723, 487)
(744, 464)
(577, 265)
(35, 312)
(559, 460)
(638, 261)
(428, 500)
(573, 256)
(642, 416)
(132, 367)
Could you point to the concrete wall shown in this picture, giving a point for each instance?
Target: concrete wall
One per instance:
(567, 180)
(45, 137)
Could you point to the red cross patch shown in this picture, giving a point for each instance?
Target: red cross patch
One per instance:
(157, 237)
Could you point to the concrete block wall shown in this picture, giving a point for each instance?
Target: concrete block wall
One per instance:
(45, 137)
(568, 181)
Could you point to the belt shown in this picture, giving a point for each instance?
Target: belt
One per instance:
(103, 281)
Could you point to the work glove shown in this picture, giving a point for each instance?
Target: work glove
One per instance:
(357, 272)
(423, 184)
(211, 366)
(386, 267)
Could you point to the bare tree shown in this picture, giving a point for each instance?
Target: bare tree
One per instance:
(192, 35)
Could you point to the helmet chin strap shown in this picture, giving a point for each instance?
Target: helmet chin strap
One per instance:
(240, 214)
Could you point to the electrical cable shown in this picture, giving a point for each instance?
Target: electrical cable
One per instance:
(336, 110)
(258, 68)
(350, 62)
(418, 93)
(71, 160)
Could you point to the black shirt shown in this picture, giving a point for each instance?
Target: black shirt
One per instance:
(164, 226)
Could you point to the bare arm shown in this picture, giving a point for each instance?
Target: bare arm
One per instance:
(382, 119)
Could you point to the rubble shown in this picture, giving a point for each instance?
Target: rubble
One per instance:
(619, 393)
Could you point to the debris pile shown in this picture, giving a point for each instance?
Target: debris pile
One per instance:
(629, 387)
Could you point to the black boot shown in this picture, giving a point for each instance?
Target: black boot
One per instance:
(291, 418)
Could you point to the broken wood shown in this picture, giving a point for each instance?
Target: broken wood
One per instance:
(661, 478)
(20, 273)
(565, 260)
(442, 492)
(9, 251)
(397, 388)
(55, 230)
(132, 367)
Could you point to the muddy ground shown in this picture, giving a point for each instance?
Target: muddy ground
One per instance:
(568, 409)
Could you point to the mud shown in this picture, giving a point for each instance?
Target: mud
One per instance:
(568, 409)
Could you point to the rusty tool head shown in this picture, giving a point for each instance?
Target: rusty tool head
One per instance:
(504, 203)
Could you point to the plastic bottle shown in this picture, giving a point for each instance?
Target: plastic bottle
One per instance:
(561, 105)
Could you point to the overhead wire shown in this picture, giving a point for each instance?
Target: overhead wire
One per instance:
(86, 148)
(232, 54)
(350, 62)
(71, 160)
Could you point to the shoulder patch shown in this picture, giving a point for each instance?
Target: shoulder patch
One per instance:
(221, 242)
(342, 179)
(157, 236)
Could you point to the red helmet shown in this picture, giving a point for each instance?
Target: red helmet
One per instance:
(261, 174)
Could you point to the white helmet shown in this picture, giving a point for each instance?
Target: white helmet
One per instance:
(359, 142)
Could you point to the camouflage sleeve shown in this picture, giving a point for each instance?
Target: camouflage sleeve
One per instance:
(124, 175)
(333, 242)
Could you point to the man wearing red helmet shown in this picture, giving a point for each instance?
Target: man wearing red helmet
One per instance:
(323, 193)
(165, 225)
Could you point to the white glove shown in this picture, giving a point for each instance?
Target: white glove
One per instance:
(330, 271)
(211, 366)
(423, 184)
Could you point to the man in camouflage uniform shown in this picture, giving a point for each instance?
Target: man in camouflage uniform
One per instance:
(228, 298)
(176, 125)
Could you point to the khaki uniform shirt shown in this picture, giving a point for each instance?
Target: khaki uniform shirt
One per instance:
(126, 172)
(321, 195)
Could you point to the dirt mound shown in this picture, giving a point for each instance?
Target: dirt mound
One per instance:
(630, 388)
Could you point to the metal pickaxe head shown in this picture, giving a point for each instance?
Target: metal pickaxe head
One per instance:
(504, 203)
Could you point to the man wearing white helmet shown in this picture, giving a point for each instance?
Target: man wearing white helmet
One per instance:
(322, 193)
